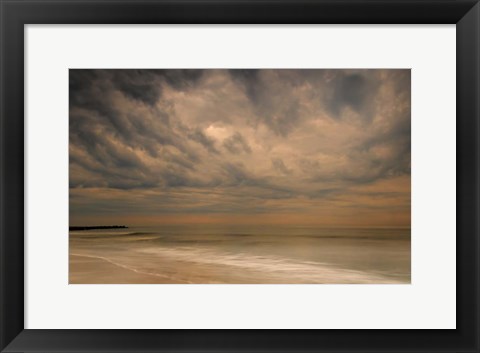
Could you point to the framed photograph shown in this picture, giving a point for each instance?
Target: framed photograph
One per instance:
(239, 176)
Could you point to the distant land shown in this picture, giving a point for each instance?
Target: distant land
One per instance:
(96, 227)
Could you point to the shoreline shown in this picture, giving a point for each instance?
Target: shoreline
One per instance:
(162, 258)
(106, 271)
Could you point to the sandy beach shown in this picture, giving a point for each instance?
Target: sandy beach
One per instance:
(272, 255)
(95, 270)
(240, 176)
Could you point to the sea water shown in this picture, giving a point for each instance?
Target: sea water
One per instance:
(252, 254)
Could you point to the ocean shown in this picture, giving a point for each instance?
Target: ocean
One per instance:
(241, 254)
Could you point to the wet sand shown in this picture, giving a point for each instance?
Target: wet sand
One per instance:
(185, 255)
(94, 270)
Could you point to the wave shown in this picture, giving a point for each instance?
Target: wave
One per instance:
(284, 270)
(130, 268)
(136, 233)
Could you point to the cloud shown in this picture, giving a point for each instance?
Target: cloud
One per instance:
(252, 140)
(278, 164)
(236, 144)
(355, 91)
(273, 98)
(200, 137)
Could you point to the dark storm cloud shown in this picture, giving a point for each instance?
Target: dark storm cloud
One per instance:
(397, 162)
(273, 103)
(204, 140)
(143, 85)
(249, 78)
(355, 91)
(112, 117)
(181, 79)
(280, 166)
(235, 173)
(273, 135)
(236, 144)
(137, 84)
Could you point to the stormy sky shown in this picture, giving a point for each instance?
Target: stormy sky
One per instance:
(323, 147)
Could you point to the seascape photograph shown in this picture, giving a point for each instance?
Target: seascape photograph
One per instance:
(239, 176)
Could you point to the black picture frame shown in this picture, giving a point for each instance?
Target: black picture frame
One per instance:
(15, 14)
